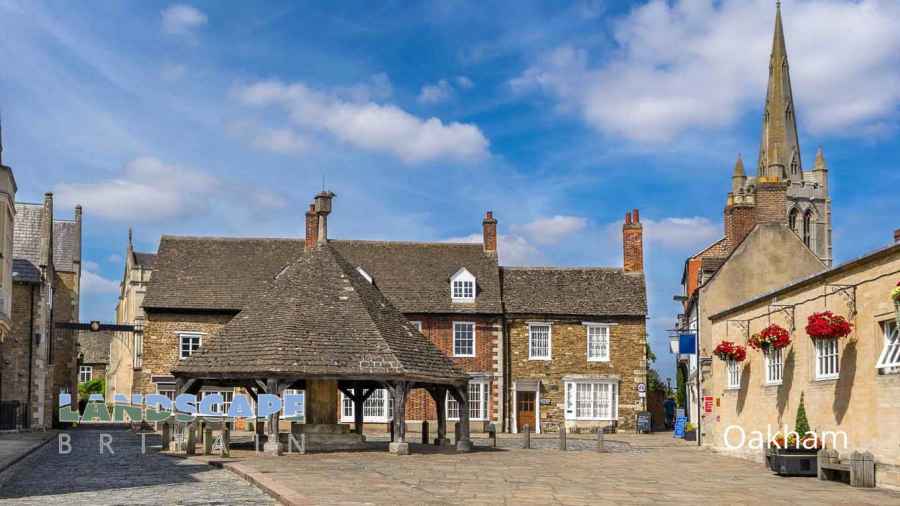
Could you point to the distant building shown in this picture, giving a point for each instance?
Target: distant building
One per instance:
(93, 355)
(125, 347)
(7, 221)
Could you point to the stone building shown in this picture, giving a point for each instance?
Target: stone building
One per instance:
(451, 292)
(577, 342)
(850, 385)
(39, 363)
(93, 355)
(7, 220)
(124, 356)
(792, 204)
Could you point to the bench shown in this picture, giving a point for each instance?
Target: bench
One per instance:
(860, 468)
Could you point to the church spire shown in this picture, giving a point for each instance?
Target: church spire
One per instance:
(779, 120)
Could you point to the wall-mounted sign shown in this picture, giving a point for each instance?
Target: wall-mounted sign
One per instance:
(708, 404)
(642, 387)
(545, 402)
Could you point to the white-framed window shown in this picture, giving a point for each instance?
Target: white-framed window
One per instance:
(219, 408)
(598, 343)
(85, 373)
(539, 341)
(417, 324)
(774, 366)
(592, 400)
(301, 415)
(827, 365)
(462, 286)
(379, 407)
(889, 361)
(478, 402)
(463, 339)
(138, 350)
(188, 343)
(733, 370)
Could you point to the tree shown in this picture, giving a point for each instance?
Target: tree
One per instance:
(802, 424)
(654, 382)
(681, 385)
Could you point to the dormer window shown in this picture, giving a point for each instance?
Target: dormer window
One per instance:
(462, 286)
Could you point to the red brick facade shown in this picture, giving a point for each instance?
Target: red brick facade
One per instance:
(633, 242)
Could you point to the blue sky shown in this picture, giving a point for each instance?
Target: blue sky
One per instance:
(224, 118)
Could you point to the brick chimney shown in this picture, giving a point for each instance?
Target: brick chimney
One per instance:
(489, 231)
(312, 228)
(323, 209)
(633, 242)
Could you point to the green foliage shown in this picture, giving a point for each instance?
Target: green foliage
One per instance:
(97, 386)
(681, 387)
(802, 424)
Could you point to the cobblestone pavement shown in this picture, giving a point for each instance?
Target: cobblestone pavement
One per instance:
(126, 477)
(660, 475)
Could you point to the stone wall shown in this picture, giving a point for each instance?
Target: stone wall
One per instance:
(65, 342)
(569, 357)
(14, 350)
(161, 344)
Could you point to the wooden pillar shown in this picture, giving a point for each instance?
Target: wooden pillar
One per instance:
(358, 409)
(400, 446)
(439, 394)
(226, 441)
(321, 402)
(462, 397)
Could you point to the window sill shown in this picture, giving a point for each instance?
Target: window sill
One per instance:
(455, 355)
(826, 379)
(772, 384)
(600, 360)
(462, 301)
(540, 359)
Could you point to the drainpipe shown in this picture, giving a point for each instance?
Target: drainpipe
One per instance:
(30, 358)
(699, 362)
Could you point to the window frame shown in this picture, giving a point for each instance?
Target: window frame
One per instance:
(570, 399)
(774, 366)
(90, 372)
(733, 374)
(595, 326)
(484, 393)
(531, 354)
(474, 338)
(182, 336)
(891, 332)
(820, 361)
(348, 408)
(463, 277)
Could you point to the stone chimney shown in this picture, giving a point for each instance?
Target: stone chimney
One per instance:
(633, 242)
(312, 228)
(897, 236)
(47, 231)
(489, 231)
(323, 209)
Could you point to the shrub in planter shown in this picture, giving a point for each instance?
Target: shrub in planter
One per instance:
(727, 350)
(773, 336)
(827, 325)
(795, 453)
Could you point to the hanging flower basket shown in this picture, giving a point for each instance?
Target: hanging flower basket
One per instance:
(727, 350)
(827, 325)
(773, 336)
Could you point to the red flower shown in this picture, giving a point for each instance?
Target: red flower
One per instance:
(727, 350)
(826, 325)
(771, 336)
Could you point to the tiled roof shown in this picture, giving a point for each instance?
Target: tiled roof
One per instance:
(27, 243)
(573, 291)
(94, 346)
(321, 317)
(223, 273)
(145, 260)
(415, 277)
(65, 245)
(214, 273)
(712, 264)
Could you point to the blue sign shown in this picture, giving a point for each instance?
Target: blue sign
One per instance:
(680, 422)
(687, 343)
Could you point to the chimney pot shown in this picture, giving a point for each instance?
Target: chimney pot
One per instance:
(636, 218)
(323, 209)
(489, 233)
(627, 218)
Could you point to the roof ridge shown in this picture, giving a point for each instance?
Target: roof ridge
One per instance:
(227, 238)
(561, 268)
(409, 243)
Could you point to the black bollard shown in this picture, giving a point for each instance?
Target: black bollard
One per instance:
(425, 432)
(526, 437)
(562, 436)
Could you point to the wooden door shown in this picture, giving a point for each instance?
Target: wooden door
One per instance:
(525, 410)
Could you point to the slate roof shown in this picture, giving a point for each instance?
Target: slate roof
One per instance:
(210, 273)
(573, 291)
(27, 243)
(65, 245)
(415, 277)
(94, 346)
(145, 260)
(320, 317)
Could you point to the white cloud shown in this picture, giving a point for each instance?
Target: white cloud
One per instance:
(682, 233)
(182, 19)
(92, 283)
(147, 190)
(687, 65)
(511, 249)
(115, 259)
(369, 125)
(435, 93)
(551, 230)
(464, 82)
(281, 140)
(91, 266)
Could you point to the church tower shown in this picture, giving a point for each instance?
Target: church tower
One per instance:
(782, 191)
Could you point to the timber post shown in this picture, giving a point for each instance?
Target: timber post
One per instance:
(424, 432)
(464, 444)
(439, 394)
(225, 451)
(562, 436)
(166, 435)
(273, 445)
(400, 446)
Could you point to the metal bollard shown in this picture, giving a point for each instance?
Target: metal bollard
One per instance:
(492, 435)
(600, 443)
(392, 431)
(526, 437)
(425, 432)
(562, 436)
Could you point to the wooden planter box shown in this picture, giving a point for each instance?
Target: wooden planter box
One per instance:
(690, 435)
(792, 462)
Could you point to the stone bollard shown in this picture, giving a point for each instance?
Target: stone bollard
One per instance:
(562, 436)
(166, 436)
(526, 437)
(191, 445)
(492, 435)
(207, 441)
(225, 451)
(456, 430)
(425, 432)
(600, 443)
